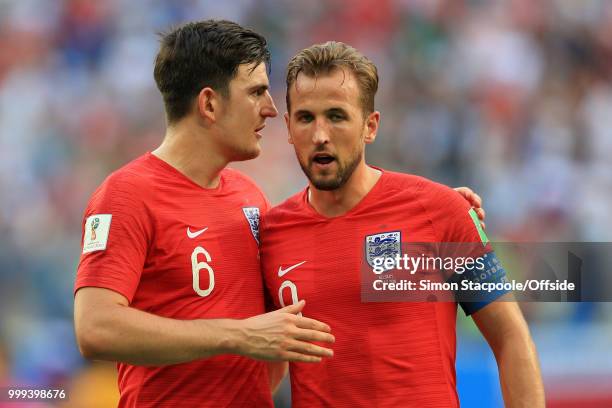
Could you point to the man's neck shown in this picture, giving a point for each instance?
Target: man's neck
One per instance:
(193, 154)
(340, 201)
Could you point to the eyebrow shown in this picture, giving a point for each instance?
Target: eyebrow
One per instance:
(302, 112)
(327, 111)
(257, 87)
(337, 110)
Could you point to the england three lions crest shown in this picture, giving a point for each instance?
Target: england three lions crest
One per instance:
(252, 216)
(383, 245)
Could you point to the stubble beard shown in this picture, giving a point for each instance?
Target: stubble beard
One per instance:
(343, 173)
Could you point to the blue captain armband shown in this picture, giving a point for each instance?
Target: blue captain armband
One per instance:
(478, 285)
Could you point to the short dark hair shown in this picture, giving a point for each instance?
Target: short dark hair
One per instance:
(322, 59)
(200, 54)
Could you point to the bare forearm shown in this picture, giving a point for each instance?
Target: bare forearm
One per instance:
(107, 328)
(519, 372)
(135, 337)
(506, 331)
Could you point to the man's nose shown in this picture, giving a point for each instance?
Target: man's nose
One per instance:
(321, 133)
(269, 109)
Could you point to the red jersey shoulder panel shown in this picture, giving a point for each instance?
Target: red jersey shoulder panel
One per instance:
(121, 195)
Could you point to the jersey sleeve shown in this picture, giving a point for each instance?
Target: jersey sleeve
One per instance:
(458, 229)
(115, 237)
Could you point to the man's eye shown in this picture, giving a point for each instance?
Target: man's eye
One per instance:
(305, 118)
(260, 91)
(334, 117)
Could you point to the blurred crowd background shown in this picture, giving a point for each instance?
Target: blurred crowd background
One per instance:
(513, 98)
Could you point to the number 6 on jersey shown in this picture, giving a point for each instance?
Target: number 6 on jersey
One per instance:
(196, 267)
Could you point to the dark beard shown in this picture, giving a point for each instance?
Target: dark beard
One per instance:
(345, 171)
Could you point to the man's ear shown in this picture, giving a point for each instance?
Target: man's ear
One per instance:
(208, 104)
(372, 123)
(287, 122)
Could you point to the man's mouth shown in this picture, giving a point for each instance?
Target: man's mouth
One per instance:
(323, 159)
(259, 129)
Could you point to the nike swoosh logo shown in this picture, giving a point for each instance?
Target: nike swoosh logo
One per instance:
(282, 271)
(194, 234)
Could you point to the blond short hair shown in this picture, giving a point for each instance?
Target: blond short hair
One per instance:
(324, 58)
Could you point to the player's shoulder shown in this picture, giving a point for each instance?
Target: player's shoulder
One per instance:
(239, 183)
(421, 186)
(133, 173)
(447, 211)
(239, 179)
(403, 181)
(291, 209)
(434, 197)
(129, 180)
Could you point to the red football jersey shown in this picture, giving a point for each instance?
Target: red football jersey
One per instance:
(386, 354)
(178, 250)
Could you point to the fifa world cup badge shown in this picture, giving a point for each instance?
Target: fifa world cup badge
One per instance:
(95, 236)
(94, 225)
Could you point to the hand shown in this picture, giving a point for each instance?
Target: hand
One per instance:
(475, 201)
(283, 335)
